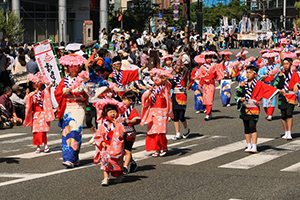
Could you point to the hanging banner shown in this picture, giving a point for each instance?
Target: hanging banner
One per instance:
(225, 21)
(255, 25)
(46, 61)
(233, 22)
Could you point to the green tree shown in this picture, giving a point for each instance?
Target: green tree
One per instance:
(297, 6)
(2, 20)
(13, 28)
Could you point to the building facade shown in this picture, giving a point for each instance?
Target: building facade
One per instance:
(61, 20)
(281, 12)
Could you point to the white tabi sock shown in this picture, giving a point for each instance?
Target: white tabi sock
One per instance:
(178, 135)
(249, 145)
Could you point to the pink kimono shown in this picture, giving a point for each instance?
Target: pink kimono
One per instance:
(111, 157)
(39, 117)
(156, 117)
(207, 76)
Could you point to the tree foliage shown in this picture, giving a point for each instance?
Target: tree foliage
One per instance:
(297, 6)
(136, 16)
(11, 26)
(234, 10)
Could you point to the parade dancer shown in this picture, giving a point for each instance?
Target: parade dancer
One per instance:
(226, 82)
(248, 96)
(132, 118)
(179, 99)
(39, 110)
(167, 62)
(194, 85)
(72, 101)
(123, 77)
(241, 72)
(156, 110)
(208, 73)
(262, 61)
(109, 139)
(289, 81)
(268, 74)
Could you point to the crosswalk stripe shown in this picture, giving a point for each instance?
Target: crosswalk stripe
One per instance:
(15, 175)
(263, 157)
(213, 153)
(292, 168)
(11, 135)
(13, 141)
(90, 154)
(144, 154)
(58, 141)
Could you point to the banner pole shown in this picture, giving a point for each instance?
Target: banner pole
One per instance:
(53, 49)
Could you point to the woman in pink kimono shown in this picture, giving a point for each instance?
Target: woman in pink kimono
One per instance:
(39, 111)
(109, 139)
(156, 111)
(208, 73)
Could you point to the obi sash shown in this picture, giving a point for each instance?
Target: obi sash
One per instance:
(160, 103)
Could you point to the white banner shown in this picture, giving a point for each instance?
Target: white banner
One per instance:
(225, 21)
(255, 25)
(46, 61)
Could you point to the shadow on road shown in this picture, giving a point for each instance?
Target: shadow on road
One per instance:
(130, 179)
(145, 168)
(222, 117)
(9, 160)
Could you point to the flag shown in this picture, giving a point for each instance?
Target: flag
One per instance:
(120, 17)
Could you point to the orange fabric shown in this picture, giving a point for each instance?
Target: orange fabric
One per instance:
(39, 138)
(156, 142)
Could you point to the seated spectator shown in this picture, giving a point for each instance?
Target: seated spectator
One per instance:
(6, 102)
(18, 100)
(32, 65)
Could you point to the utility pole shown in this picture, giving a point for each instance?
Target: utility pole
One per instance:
(200, 18)
(188, 18)
(284, 14)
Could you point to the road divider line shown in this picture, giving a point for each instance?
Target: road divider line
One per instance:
(11, 135)
(292, 168)
(213, 153)
(264, 156)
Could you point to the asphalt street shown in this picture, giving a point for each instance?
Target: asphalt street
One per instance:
(210, 164)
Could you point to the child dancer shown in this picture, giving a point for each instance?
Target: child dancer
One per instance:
(289, 81)
(268, 74)
(167, 62)
(132, 118)
(156, 110)
(109, 140)
(179, 99)
(194, 85)
(209, 72)
(39, 110)
(248, 96)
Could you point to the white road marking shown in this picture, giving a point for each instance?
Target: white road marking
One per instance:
(36, 176)
(263, 157)
(11, 135)
(292, 168)
(7, 175)
(213, 153)
(144, 154)
(90, 154)
(27, 177)
(58, 141)
(22, 139)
